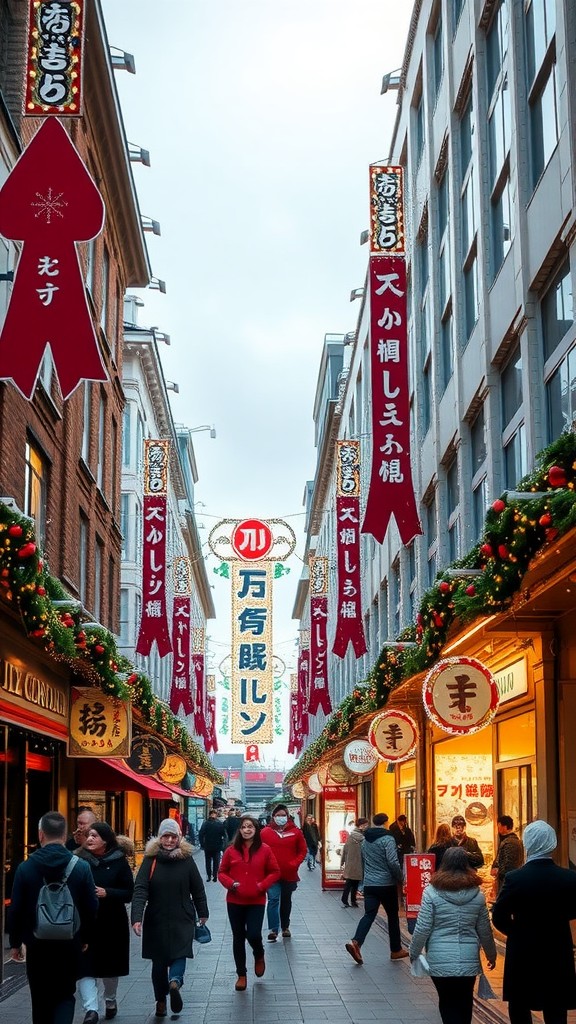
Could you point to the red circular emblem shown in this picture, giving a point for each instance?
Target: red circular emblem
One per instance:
(252, 540)
(460, 695)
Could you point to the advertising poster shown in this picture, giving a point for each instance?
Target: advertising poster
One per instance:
(418, 870)
(463, 785)
(339, 810)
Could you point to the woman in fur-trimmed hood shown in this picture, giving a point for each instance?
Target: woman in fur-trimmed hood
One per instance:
(169, 896)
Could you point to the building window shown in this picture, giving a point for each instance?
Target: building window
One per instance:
(479, 502)
(478, 443)
(444, 243)
(100, 472)
(453, 509)
(90, 264)
(113, 463)
(139, 443)
(395, 598)
(98, 558)
(111, 592)
(412, 587)
(36, 490)
(561, 397)
(499, 138)
(557, 309)
(124, 618)
(511, 383)
(105, 289)
(86, 422)
(431, 539)
(515, 458)
(471, 294)
(447, 348)
(125, 525)
(438, 57)
(418, 128)
(83, 556)
(540, 19)
(126, 446)
(513, 435)
(46, 370)
(426, 396)
(468, 219)
(457, 6)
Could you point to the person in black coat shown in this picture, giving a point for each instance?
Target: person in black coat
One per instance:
(404, 836)
(108, 956)
(534, 909)
(231, 825)
(211, 838)
(168, 897)
(52, 966)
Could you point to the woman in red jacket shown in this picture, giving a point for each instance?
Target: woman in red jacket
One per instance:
(289, 847)
(247, 871)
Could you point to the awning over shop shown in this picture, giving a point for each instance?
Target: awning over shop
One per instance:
(103, 772)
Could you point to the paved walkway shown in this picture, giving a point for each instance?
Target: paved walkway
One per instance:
(309, 978)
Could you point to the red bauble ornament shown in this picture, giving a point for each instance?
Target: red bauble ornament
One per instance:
(132, 679)
(38, 632)
(99, 649)
(444, 586)
(41, 591)
(470, 590)
(486, 550)
(557, 476)
(27, 550)
(438, 619)
(551, 533)
(503, 551)
(15, 530)
(498, 505)
(545, 519)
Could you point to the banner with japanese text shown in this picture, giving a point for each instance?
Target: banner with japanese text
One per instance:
(211, 742)
(294, 735)
(54, 59)
(198, 669)
(391, 490)
(252, 681)
(100, 725)
(181, 689)
(154, 621)
(349, 625)
(304, 680)
(319, 692)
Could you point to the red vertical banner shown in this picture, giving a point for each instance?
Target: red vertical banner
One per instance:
(210, 741)
(349, 625)
(391, 491)
(319, 692)
(154, 622)
(180, 693)
(199, 681)
(293, 734)
(304, 680)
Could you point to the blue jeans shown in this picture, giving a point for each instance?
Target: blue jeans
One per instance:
(311, 858)
(163, 974)
(280, 905)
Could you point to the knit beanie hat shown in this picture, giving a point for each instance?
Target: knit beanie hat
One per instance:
(169, 825)
(539, 840)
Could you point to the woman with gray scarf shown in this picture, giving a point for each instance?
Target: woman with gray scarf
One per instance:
(534, 910)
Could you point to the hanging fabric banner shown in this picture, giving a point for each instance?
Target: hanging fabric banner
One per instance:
(54, 65)
(319, 693)
(181, 689)
(304, 681)
(198, 643)
(391, 491)
(211, 743)
(154, 622)
(349, 625)
(252, 685)
(295, 734)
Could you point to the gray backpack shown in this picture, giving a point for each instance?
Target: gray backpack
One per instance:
(57, 918)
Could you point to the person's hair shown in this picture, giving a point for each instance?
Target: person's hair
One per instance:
(506, 820)
(231, 811)
(455, 872)
(380, 819)
(402, 817)
(106, 833)
(280, 807)
(443, 835)
(361, 821)
(213, 811)
(85, 810)
(53, 825)
(238, 841)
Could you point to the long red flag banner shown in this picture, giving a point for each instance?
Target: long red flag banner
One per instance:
(319, 692)
(154, 622)
(349, 625)
(391, 491)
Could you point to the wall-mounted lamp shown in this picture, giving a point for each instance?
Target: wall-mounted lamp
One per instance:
(356, 293)
(171, 385)
(205, 426)
(156, 284)
(150, 225)
(160, 335)
(393, 80)
(137, 155)
(364, 236)
(122, 61)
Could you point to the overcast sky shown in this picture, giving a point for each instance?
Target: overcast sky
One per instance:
(261, 117)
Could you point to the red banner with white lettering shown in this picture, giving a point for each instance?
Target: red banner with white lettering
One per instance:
(304, 688)
(154, 622)
(319, 693)
(181, 690)
(391, 491)
(349, 625)
(200, 693)
(210, 741)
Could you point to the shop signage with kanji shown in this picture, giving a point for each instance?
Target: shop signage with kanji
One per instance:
(418, 870)
(349, 624)
(174, 769)
(154, 621)
(252, 682)
(360, 757)
(147, 755)
(54, 65)
(181, 689)
(100, 725)
(460, 695)
(319, 692)
(394, 736)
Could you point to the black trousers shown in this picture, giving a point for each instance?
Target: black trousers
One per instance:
(51, 969)
(350, 890)
(519, 1013)
(455, 998)
(374, 895)
(246, 924)
(212, 858)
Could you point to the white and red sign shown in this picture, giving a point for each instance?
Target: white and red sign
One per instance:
(154, 622)
(394, 736)
(391, 491)
(54, 65)
(49, 202)
(252, 540)
(360, 757)
(418, 870)
(460, 695)
(198, 672)
(349, 625)
(304, 681)
(319, 692)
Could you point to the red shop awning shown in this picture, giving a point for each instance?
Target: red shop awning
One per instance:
(105, 772)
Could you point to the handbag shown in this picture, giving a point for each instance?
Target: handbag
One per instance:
(485, 990)
(420, 968)
(202, 933)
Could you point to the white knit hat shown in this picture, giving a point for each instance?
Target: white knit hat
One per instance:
(539, 840)
(169, 825)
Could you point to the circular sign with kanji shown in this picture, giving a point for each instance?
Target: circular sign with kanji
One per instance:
(203, 787)
(148, 755)
(360, 757)
(313, 783)
(174, 769)
(300, 790)
(252, 540)
(460, 695)
(394, 736)
(341, 775)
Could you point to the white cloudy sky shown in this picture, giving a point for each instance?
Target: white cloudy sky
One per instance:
(261, 117)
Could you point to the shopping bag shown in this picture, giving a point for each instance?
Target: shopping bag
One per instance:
(202, 933)
(419, 968)
(485, 990)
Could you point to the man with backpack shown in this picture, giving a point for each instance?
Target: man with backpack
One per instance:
(52, 912)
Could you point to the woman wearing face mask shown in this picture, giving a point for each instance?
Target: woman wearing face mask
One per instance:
(247, 871)
(288, 845)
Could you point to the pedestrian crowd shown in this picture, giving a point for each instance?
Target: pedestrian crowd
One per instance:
(68, 908)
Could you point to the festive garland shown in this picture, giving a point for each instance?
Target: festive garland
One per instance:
(514, 532)
(52, 618)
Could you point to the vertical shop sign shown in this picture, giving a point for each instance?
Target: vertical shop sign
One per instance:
(198, 645)
(181, 689)
(54, 60)
(349, 626)
(319, 692)
(391, 491)
(211, 744)
(154, 622)
(100, 725)
(304, 681)
(418, 870)
(295, 733)
(252, 685)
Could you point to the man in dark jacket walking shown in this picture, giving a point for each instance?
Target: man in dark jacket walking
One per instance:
(211, 839)
(510, 852)
(231, 825)
(382, 873)
(534, 910)
(51, 965)
(404, 836)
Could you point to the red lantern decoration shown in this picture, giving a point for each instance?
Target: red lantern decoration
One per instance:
(27, 550)
(551, 533)
(503, 551)
(557, 476)
(444, 586)
(486, 550)
(498, 505)
(545, 520)
(15, 530)
(470, 590)
(99, 648)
